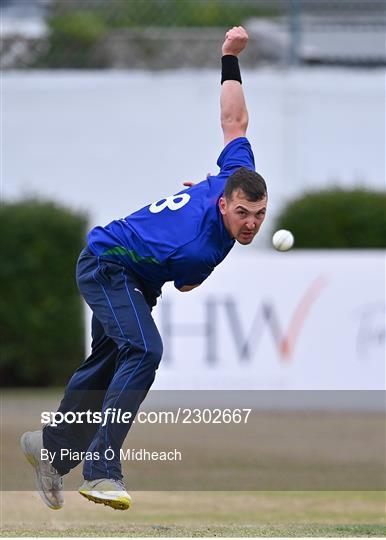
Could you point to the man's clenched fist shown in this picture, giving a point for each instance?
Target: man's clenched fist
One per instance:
(236, 40)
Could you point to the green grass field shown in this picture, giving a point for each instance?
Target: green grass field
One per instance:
(298, 514)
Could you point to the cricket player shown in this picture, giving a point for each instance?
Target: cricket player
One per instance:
(120, 273)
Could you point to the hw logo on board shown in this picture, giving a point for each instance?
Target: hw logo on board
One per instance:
(245, 338)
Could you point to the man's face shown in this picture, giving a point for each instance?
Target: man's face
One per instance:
(242, 218)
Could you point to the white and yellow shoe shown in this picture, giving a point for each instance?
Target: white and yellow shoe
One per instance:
(106, 491)
(48, 480)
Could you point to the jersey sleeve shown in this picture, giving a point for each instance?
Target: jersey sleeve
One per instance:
(195, 276)
(237, 153)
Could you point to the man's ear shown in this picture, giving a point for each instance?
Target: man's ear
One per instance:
(222, 205)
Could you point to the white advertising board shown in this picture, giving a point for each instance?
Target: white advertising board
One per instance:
(312, 320)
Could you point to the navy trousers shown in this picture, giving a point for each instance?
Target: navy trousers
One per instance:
(126, 351)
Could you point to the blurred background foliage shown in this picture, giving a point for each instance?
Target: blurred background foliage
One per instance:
(76, 28)
(41, 313)
(160, 13)
(337, 219)
(170, 34)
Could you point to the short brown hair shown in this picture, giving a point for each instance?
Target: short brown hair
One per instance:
(250, 182)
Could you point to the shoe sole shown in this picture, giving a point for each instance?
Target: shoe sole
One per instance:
(35, 464)
(120, 503)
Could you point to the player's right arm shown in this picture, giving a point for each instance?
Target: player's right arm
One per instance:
(187, 288)
(234, 114)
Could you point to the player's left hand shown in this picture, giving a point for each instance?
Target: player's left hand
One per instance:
(191, 184)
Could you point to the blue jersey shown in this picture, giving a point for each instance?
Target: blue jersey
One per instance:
(179, 238)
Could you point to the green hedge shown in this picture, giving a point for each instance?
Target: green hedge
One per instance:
(41, 314)
(337, 218)
(75, 27)
(165, 13)
(72, 39)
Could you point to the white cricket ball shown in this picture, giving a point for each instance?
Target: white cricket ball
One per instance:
(283, 240)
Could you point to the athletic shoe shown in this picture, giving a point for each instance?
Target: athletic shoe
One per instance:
(48, 480)
(106, 491)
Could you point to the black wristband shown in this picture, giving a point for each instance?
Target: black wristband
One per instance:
(230, 70)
